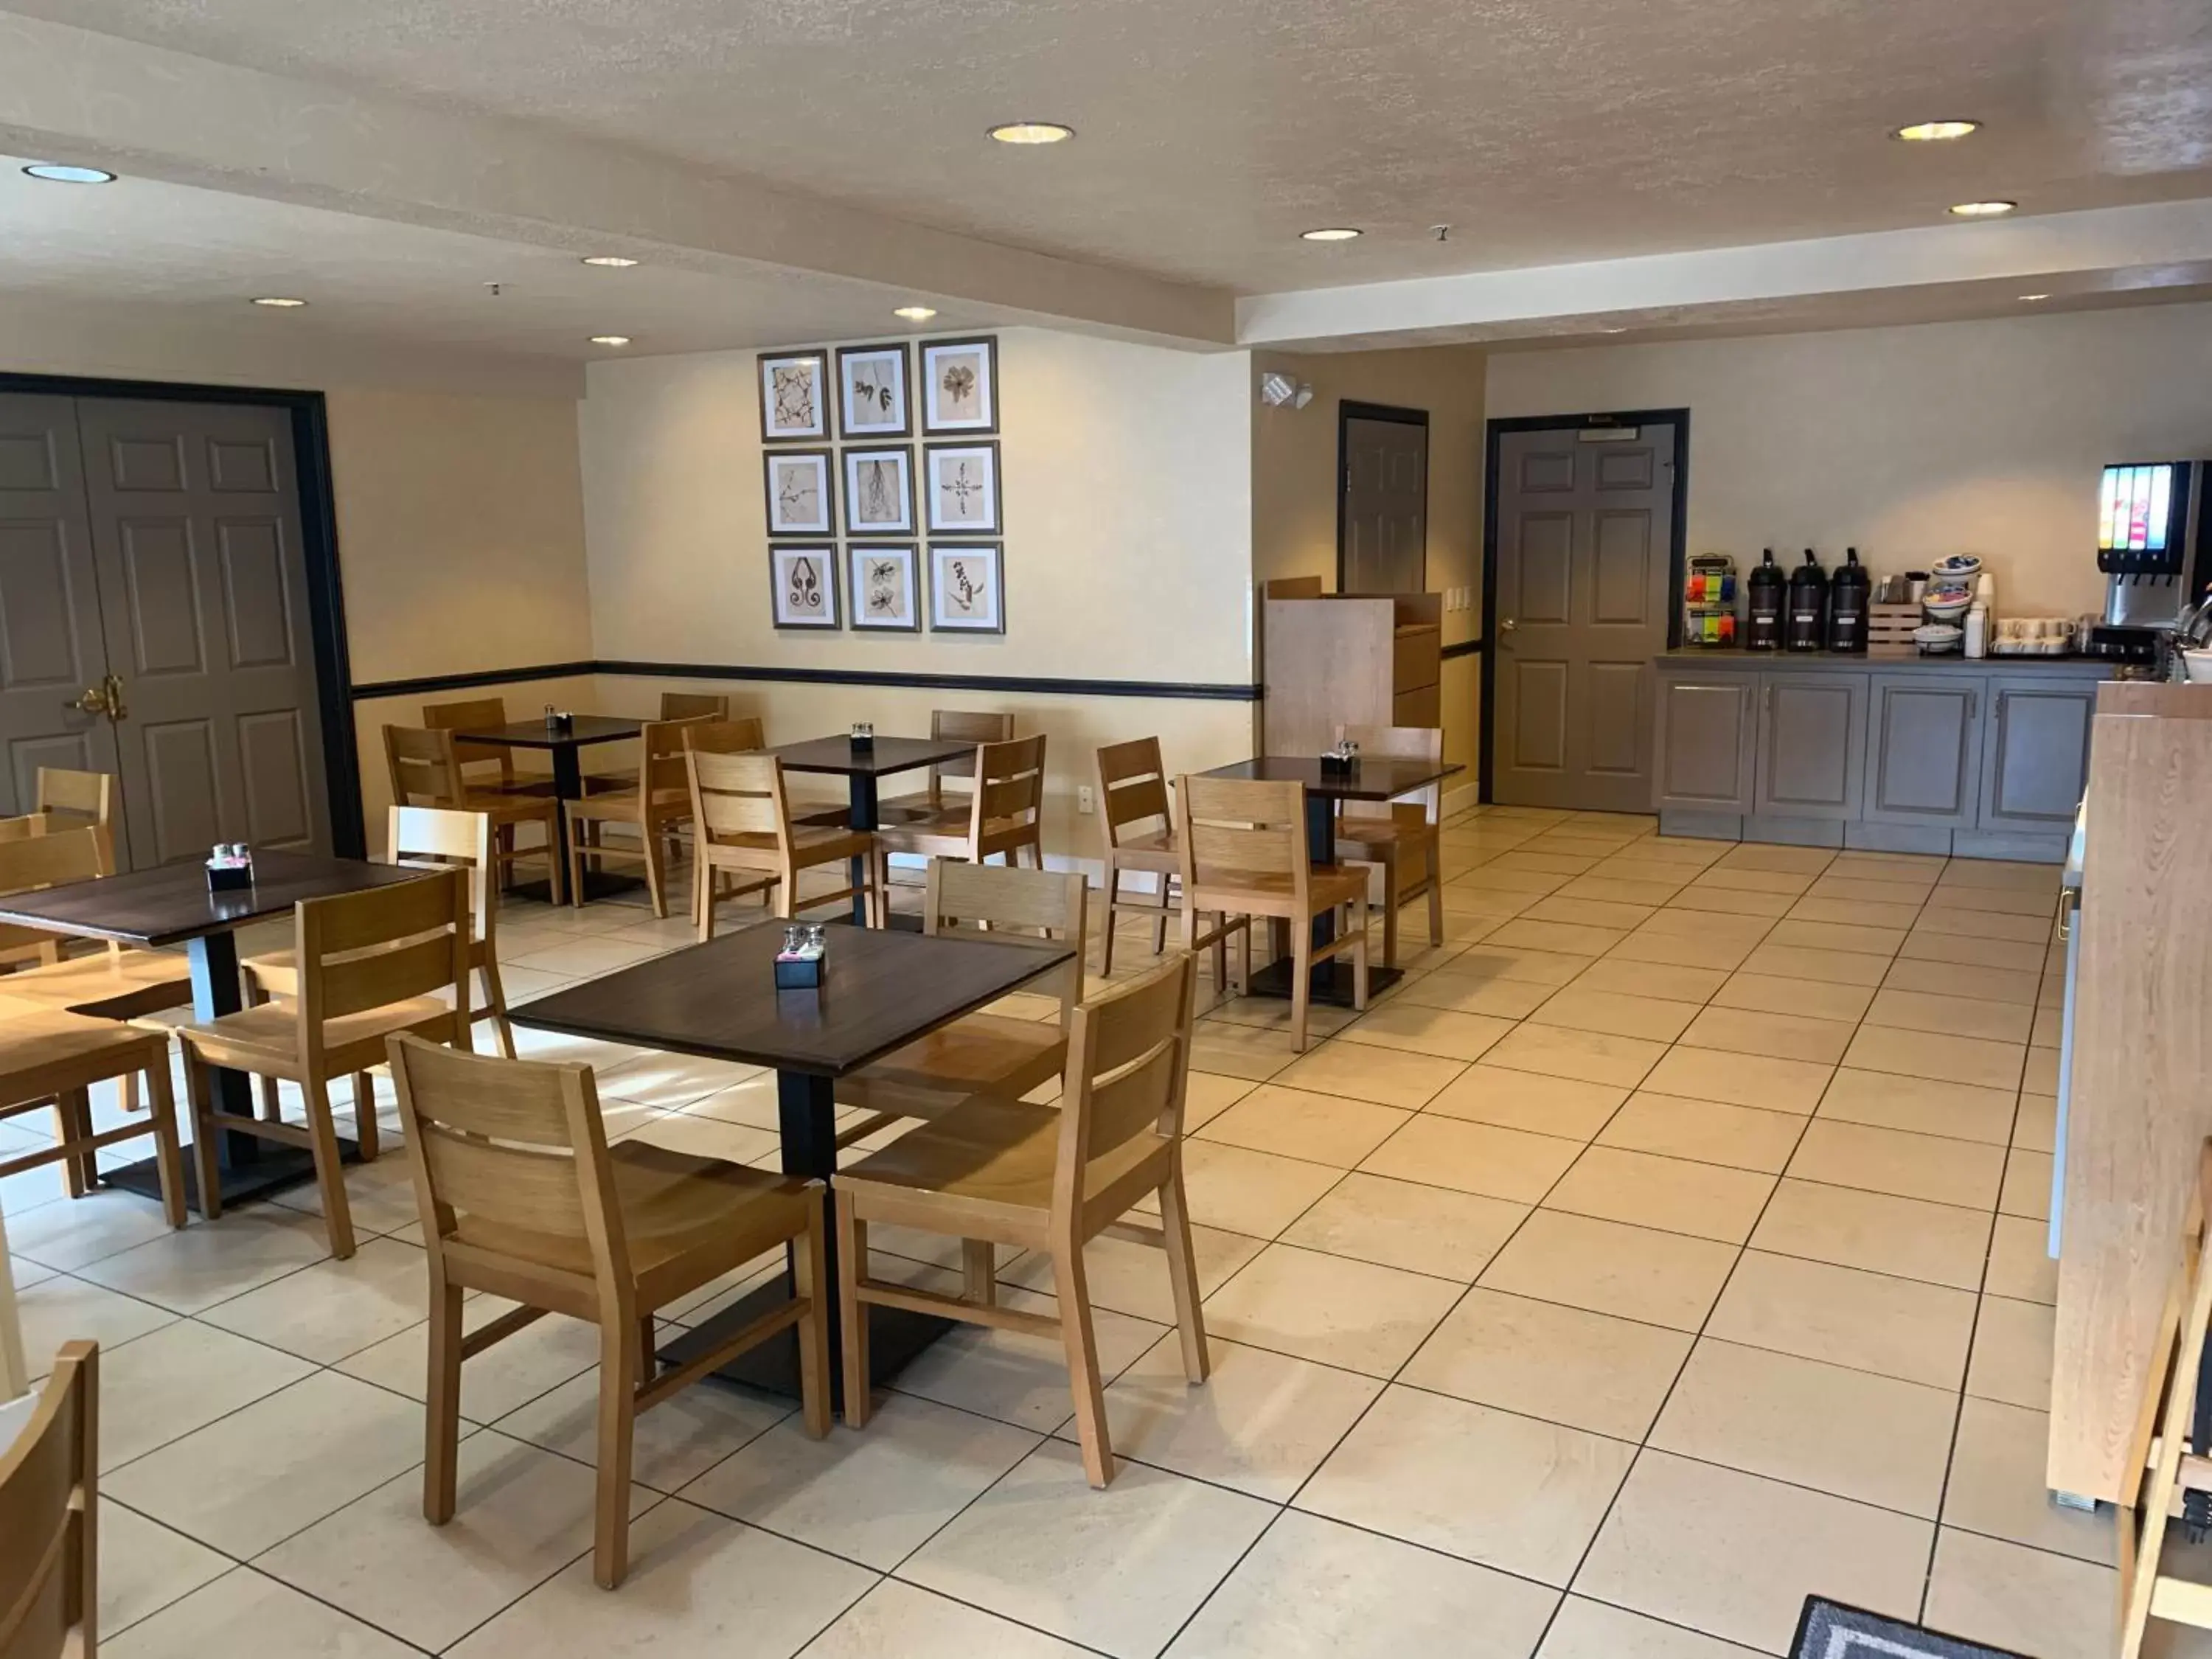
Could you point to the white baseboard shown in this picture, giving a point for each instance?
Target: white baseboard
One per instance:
(1464, 798)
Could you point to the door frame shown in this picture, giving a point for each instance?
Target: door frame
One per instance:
(1348, 410)
(1493, 433)
(310, 456)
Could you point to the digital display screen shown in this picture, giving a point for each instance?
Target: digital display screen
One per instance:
(2135, 508)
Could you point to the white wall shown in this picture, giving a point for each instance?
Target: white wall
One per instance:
(1909, 443)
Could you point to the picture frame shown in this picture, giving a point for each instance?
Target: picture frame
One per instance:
(794, 393)
(960, 385)
(885, 585)
(960, 483)
(803, 585)
(873, 390)
(879, 491)
(801, 493)
(967, 587)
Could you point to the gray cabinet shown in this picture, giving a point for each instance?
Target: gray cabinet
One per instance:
(1704, 747)
(1812, 746)
(2035, 753)
(1923, 751)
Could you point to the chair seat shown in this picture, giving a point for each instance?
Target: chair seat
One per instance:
(946, 832)
(994, 1151)
(1326, 887)
(1368, 837)
(982, 1054)
(257, 1039)
(502, 808)
(43, 1052)
(813, 843)
(1156, 851)
(625, 805)
(676, 1208)
(114, 986)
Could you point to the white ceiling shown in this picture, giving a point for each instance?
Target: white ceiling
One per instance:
(1543, 131)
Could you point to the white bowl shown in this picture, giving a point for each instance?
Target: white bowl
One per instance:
(1948, 608)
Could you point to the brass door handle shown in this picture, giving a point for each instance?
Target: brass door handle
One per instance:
(93, 699)
(117, 710)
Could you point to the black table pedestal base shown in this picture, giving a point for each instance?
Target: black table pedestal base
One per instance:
(1331, 984)
(895, 1337)
(274, 1169)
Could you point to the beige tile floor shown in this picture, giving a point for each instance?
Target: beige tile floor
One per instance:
(1668, 1245)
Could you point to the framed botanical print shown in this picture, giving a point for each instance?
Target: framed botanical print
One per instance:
(879, 491)
(960, 481)
(884, 586)
(872, 388)
(967, 588)
(795, 396)
(799, 499)
(960, 386)
(806, 582)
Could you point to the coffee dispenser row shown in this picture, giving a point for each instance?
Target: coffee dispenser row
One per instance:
(1808, 610)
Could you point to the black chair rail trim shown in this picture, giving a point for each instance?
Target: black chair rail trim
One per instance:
(1201, 692)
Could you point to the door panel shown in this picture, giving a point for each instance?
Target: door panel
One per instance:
(50, 645)
(202, 581)
(1584, 561)
(1706, 731)
(2035, 755)
(1812, 745)
(1385, 506)
(1924, 754)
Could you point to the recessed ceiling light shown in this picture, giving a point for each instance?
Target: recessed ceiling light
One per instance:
(1982, 209)
(279, 302)
(2035, 296)
(611, 339)
(914, 314)
(55, 173)
(1330, 233)
(1936, 132)
(1031, 132)
(609, 261)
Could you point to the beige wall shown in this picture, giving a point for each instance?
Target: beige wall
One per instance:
(1126, 470)
(1909, 443)
(1294, 486)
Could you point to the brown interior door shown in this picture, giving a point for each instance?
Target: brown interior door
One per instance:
(195, 519)
(1585, 556)
(1385, 538)
(51, 650)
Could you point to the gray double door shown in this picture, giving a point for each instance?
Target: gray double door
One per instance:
(1585, 574)
(153, 620)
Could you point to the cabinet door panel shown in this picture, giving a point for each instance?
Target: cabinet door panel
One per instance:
(2035, 753)
(1705, 742)
(1812, 745)
(1924, 750)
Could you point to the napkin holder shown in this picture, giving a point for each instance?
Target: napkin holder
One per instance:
(800, 969)
(228, 878)
(1339, 766)
(560, 723)
(863, 739)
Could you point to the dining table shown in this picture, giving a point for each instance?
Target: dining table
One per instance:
(880, 990)
(860, 764)
(565, 742)
(1368, 778)
(172, 905)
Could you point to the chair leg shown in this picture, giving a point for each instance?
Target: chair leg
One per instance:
(168, 1156)
(1083, 1380)
(1106, 943)
(649, 1362)
(330, 1169)
(132, 1100)
(1182, 1275)
(702, 902)
(656, 873)
(617, 1424)
(813, 1332)
(1358, 925)
(852, 1262)
(1391, 900)
(368, 1132)
(1300, 982)
(201, 1109)
(441, 1416)
(72, 1112)
(1435, 894)
(495, 1001)
(575, 867)
(979, 1265)
(1160, 921)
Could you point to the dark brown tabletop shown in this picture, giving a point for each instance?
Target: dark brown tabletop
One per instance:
(1376, 777)
(719, 1000)
(837, 754)
(535, 734)
(171, 904)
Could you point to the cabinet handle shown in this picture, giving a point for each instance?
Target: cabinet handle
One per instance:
(1973, 704)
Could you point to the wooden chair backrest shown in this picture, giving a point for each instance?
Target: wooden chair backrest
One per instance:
(49, 1517)
(425, 765)
(739, 794)
(89, 796)
(992, 900)
(369, 950)
(1233, 828)
(1009, 783)
(963, 726)
(24, 825)
(693, 705)
(512, 1142)
(53, 859)
(436, 838)
(478, 714)
(663, 748)
(1128, 1068)
(1132, 787)
(1421, 743)
(735, 736)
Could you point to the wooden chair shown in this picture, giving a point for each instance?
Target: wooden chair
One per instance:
(50, 1518)
(70, 798)
(1139, 823)
(1042, 1178)
(1244, 844)
(660, 801)
(426, 767)
(952, 726)
(1402, 836)
(488, 768)
(1003, 816)
(521, 1196)
(113, 983)
(370, 965)
(51, 1059)
(427, 838)
(742, 818)
(674, 706)
(985, 1053)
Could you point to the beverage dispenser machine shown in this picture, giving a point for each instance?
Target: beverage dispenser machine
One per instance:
(2154, 547)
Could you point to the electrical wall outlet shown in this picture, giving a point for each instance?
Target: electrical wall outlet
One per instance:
(1086, 799)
